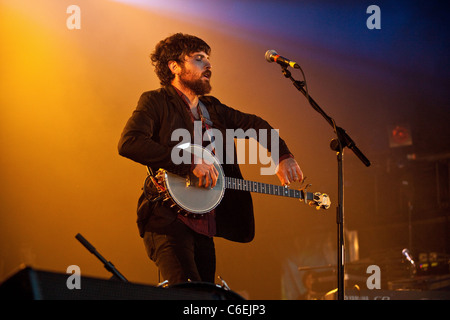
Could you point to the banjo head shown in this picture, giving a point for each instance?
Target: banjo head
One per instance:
(185, 191)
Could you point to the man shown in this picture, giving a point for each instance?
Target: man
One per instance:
(182, 246)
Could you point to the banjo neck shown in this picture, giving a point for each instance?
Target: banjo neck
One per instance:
(265, 188)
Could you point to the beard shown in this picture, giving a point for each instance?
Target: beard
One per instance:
(198, 86)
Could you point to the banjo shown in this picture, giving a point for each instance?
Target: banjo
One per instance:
(188, 198)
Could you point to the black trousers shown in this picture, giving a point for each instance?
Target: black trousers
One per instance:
(181, 254)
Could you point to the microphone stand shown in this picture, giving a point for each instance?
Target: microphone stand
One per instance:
(338, 144)
(107, 264)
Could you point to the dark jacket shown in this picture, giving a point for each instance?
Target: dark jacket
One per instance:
(146, 139)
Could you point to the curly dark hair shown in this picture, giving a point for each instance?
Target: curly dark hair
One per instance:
(175, 48)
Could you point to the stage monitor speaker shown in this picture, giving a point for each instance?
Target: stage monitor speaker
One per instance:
(32, 284)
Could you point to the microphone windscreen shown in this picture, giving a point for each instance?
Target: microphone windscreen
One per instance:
(270, 54)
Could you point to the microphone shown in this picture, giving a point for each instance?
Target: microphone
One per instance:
(407, 255)
(273, 56)
(85, 243)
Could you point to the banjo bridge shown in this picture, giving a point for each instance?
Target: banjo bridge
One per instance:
(188, 181)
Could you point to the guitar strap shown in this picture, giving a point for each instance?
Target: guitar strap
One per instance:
(206, 121)
(204, 114)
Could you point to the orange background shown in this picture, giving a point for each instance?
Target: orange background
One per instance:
(65, 98)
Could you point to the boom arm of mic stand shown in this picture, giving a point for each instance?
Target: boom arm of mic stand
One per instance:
(342, 136)
(107, 264)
